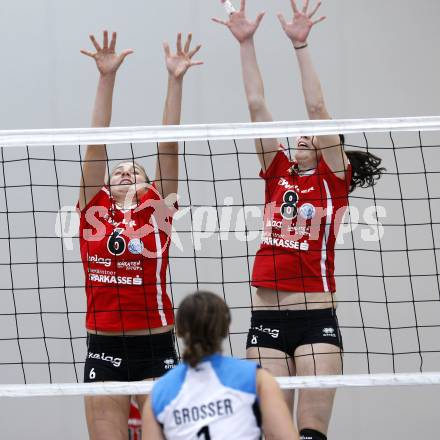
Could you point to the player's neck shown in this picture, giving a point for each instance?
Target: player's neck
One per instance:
(306, 165)
(126, 199)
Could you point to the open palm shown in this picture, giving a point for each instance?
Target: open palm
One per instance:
(299, 28)
(181, 61)
(106, 58)
(241, 27)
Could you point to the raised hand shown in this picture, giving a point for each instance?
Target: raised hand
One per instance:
(299, 28)
(181, 61)
(106, 58)
(241, 27)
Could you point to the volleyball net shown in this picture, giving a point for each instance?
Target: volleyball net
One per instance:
(386, 264)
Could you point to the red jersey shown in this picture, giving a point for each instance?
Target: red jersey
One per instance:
(301, 220)
(125, 259)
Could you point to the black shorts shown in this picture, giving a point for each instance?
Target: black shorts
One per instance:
(286, 330)
(129, 358)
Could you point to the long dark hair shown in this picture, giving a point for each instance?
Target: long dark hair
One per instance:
(202, 321)
(366, 169)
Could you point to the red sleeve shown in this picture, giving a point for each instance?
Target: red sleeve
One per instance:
(100, 198)
(152, 203)
(153, 194)
(278, 167)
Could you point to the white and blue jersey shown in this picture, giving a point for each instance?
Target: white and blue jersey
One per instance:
(215, 400)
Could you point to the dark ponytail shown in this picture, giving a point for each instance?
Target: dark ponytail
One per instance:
(202, 321)
(366, 169)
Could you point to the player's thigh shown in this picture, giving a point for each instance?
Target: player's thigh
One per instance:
(278, 363)
(267, 343)
(315, 405)
(318, 359)
(107, 417)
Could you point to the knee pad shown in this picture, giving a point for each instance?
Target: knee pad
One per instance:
(311, 434)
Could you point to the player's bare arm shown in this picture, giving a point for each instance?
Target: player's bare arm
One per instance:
(244, 30)
(298, 31)
(95, 161)
(177, 64)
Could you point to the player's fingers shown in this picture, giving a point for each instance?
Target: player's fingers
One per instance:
(229, 7)
(179, 43)
(95, 43)
(113, 42)
(166, 48)
(259, 18)
(194, 51)
(217, 20)
(188, 42)
(125, 53)
(105, 40)
(319, 20)
(282, 20)
(318, 5)
(305, 6)
(87, 53)
(294, 7)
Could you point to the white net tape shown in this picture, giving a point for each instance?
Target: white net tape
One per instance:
(123, 135)
(144, 387)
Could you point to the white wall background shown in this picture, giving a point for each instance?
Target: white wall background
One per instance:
(375, 58)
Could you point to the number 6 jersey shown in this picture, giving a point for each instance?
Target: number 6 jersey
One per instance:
(215, 400)
(301, 218)
(125, 259)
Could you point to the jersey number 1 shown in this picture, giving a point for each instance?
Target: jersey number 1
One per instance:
(204, 432)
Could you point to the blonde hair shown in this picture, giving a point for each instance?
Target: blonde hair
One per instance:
(132, 162)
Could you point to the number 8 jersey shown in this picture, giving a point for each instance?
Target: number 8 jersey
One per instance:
(302, 215)
(215, 400)
(125, 259)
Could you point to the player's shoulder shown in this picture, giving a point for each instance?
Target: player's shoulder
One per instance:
(279, 166)
(235, 373)
(166, 389)
(282, 158)
(102, 194)
(151, 192)
(101, 198)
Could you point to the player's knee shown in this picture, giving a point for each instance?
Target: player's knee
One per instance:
(311, 434)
